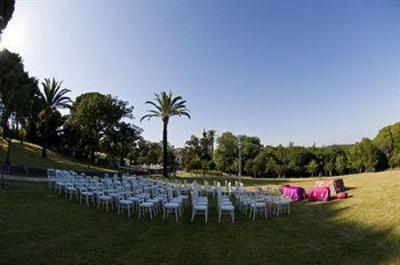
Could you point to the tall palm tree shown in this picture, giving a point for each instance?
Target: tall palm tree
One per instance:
(53, 97)
(165, 106)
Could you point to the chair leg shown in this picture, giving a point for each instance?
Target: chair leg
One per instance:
(193, 215)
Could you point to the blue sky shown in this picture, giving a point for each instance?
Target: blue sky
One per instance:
(303, 71)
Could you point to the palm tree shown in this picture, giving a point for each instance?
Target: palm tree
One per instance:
(52, 97)
(165, 106)
(312, 168)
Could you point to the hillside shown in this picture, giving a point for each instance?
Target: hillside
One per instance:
(29, 155)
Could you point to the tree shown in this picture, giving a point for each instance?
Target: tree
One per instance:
(191, 151)
(365, 156)
(394, 161)
(388, 141)
(207, 144)
(297, 158)
(249, 149)
(226, 152)
(119, 141)
(150, 153)
(95, 114)
(33, 123)
(198, 149)
(171, 159)
(259, 164)
(329, 167)
(17, 91)
(73, 141)
(313, 167)
(6, 12)
(52, 97)
(341, 164)
(165, 106)
(278, 162)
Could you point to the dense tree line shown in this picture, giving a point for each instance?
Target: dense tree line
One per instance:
(293, 161)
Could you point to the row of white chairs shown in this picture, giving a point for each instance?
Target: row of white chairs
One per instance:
(261, 203)
(128, 194)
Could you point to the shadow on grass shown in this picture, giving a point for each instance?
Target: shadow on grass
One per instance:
(46, 229)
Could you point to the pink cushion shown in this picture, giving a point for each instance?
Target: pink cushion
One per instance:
(341, 195)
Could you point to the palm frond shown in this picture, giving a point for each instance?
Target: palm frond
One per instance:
(148, 117)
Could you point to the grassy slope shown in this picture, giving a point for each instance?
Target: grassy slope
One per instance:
(41, 228)
(30, 155)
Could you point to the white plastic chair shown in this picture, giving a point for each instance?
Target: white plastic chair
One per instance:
(125, 204)
(224, 206)
(199, 207)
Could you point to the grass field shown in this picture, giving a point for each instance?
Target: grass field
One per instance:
(37, 227)
(29, 155)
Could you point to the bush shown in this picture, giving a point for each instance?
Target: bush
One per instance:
(216, 173)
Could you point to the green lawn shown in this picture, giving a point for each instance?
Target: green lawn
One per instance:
(37, 227)
(29, 155)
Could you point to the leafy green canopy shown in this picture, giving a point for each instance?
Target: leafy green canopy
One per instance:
(17, 89)
(94, 114)
(6, 12)
(197, 153)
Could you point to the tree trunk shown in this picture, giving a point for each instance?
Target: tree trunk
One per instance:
(45, 136)
(4, 125)
(121, 160)
(7, 136)
(165, 148)
(9, 150)
(21, 133)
